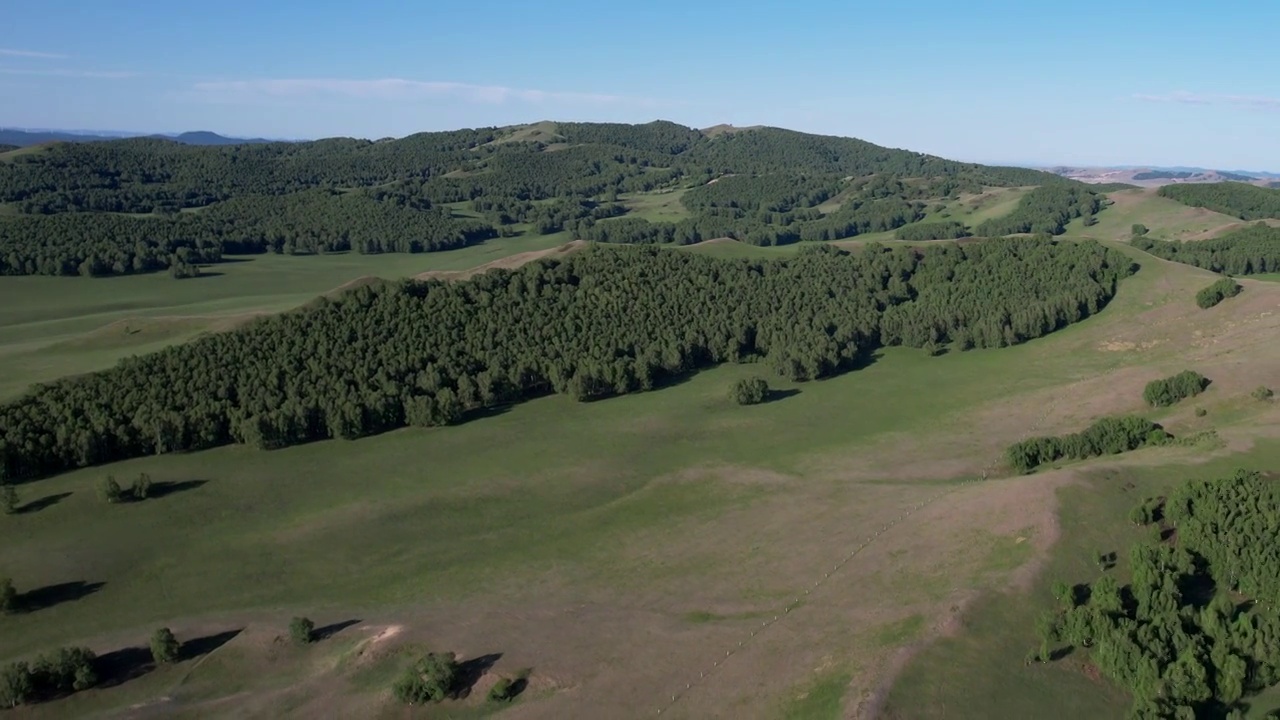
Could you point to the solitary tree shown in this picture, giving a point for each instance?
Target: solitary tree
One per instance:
(302, 630)
(141, 487)
(430, 679)
(109, 490)
(750, 391)
(16, 685)
(501, 691)
(164, 646)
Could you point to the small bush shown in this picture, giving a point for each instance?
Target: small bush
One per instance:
(1138, 230)
(1167, 391)
(1217, 292)
(165, 647)
(302, 630)
(430, 679)
(1262, 392)
(8, 499)
(141, 487)
(109, 490)
(1151, 510)
(501, 691)
(1201, 412)
(749, 391)
(8, 597)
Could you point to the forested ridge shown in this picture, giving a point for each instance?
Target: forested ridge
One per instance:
(1248, 251)
(146, 204)
(1243, 200)
(601, 322)
(1195, 631)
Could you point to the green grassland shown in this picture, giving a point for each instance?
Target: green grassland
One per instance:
(656, 206)
(981, 673)
(441, 518)
(1167, 219)
(684, 516)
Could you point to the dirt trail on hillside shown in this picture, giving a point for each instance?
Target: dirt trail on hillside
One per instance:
(510, 262)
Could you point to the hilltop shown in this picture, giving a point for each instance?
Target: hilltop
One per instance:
(145, 204)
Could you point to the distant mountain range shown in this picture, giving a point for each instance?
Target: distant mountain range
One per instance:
(24, 137)
(1154, 176)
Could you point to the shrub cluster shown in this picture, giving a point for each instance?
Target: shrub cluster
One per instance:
(62, 672)
(1107, 436)
(1168, 391)
(1217, 292)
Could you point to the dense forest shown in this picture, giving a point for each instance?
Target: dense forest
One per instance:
(313, 221)
(1245, 201)
(1195, 631)
(147, 204)
(601, 322)
(1248, 251)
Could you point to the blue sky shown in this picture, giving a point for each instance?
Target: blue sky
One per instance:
(1176, 82)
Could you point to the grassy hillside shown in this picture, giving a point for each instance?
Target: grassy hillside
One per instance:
(574, 546)
(854, 546)
(144, 205)
(1241, 200)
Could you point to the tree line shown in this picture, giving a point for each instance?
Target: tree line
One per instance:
(1107, 436)
(1195, 631)
(1242, 200)
(314, 221)
(1248, 251)
(601, 322)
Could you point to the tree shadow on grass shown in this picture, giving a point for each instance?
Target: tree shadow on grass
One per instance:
(51, 595)
(121, 666)
(776, 395)
(173, 487)
(328, 631)
(196, 647)
(470, 672)
(47, 501)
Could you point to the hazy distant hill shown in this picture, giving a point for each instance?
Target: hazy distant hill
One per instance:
(25, 138)
(1155, 176)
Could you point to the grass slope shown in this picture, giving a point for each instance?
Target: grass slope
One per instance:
(980, 673)
(620, 547)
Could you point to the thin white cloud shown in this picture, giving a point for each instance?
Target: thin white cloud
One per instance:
(1258, 102)
(55, 72)
(10, 52)
(395, 89)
